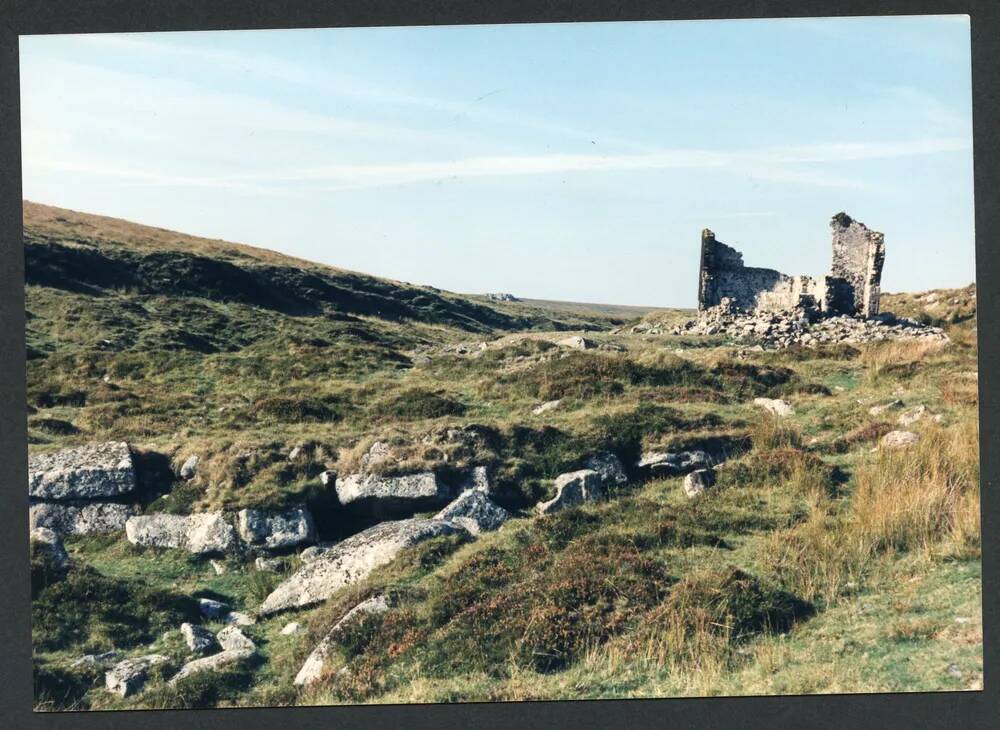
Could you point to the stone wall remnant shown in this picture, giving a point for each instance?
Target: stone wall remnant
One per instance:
(852, 287)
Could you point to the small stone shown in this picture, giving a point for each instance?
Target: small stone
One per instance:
(239, 618)
(880, 409)
(954, 671)
(576, 342)
(232, 639)
(269, 565)
(211, 608)
(776, 406)
(545, 407)
(189, 468)
(899, 439)
(295, 453)
(328, 477)
(908, 418)
(572, 489)
(292, 627)
(698, 481)
(48, 542)
(218, 567)
(128, 676)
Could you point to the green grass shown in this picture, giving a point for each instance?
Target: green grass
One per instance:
(814, 565)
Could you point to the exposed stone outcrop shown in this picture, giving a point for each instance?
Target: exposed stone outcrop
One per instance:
(202, 533)
(189, 468)
(577, 343)
(80, 519)
(232, 639)
(392, 496)
(474, 511)
(94, 471)
(350, 561)
(276, 530)
(573, 489)
(211, 663)
(128, 677)
(545, 407)
(313, 667)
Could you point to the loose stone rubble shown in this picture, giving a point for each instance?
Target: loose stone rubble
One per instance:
(698, 481)
(666, 463)
(198, 639)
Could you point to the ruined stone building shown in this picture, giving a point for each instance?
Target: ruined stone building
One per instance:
(851, 287)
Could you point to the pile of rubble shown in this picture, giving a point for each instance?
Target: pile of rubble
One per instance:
(798, 326)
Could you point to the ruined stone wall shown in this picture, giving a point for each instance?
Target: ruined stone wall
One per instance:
(856, 273)
(852, 287)
(723, 274)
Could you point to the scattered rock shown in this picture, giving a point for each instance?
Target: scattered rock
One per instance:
(954, 671)
(276, 530)
(189, 468)
(573, 489)
(609, 468)
(202, 533)
(474, 511)
(908, 418)
(210, 663)
(383, 496)
(899, 439)
(127, 677)
(879, 410)
(239, 618)
(198, 639)
(776, 406)
(48, 542)
(312, 669)
(97, 660)
(84, 472)
(478, 480)
(576, 342)
(269, 565)
(85, 519)
(545, 407)
(501, 297)
(328, 478)
(666, 463)
(377, 452)
(210, 608)
(295, 453)
(218, 567)
(292, 627)
(350, 561)
(698, 481)
(232, 639)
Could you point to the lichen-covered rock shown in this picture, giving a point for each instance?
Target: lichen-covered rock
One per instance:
(269, 565)
(478, 479)
(609, 467)
(668, 463)
(775, 406)
(276, 530)
(211, 663)
(189, 468)
(573, 489)
(474, 511)
(48, 541)
(911, 416)
(232, 639)
(899, 439)
(392, 496)
(83, 519)
(238, 618)
(883, 407)
(86, 472)
(545, 407)
(198, 639)
(576, 342)
(128, 677)
(210, 608)
(313, 667)
(103, 661)
(201, 534)
(350, 561)
(698, 481)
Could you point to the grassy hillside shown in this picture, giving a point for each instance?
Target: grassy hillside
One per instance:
(817, 564)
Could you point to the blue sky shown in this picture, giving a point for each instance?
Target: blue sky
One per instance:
(557, 161)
